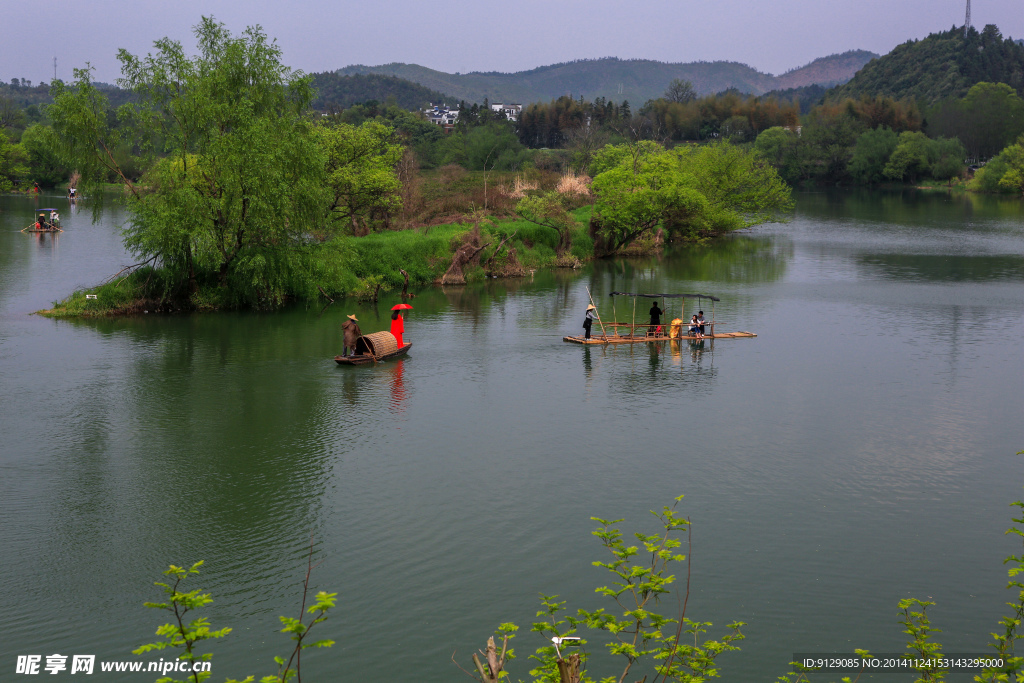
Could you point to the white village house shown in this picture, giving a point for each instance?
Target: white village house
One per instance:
(444, 116)
(511, 111)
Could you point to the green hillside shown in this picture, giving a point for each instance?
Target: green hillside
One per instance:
(636, 80)
(335, 91)
(942, 65)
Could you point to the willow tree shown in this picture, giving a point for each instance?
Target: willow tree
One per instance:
(687, 192)
(361, 176)
(236, 180)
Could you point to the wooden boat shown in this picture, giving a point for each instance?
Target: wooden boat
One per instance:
(32, 228)
(371, 348)
(636, 333)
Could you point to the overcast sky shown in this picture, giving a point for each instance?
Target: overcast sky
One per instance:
(486, 35)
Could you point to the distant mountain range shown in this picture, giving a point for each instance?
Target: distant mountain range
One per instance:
(636, 80)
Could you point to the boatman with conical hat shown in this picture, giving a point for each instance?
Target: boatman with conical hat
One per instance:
(351, 330)
(588, 320)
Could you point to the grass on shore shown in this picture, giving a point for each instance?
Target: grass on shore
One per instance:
(374, 262)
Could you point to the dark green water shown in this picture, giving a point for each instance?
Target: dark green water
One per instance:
(858, 451)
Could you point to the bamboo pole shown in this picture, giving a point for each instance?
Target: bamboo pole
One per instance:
(603, 333)
(632, 327)
(614, 318)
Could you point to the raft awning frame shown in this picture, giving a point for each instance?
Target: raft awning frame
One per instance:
(669, 296)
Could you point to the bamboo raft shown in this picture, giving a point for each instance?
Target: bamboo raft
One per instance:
(636, 333)
(636, 338)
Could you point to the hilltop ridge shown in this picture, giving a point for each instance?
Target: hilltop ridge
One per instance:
(944, 64)
(636, 80)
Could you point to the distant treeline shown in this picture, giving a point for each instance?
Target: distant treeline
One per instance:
(336, 92)
(928, 88)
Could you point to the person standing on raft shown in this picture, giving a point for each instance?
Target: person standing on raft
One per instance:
(588, 321)
(398, 327)
(352, 332)
(655, 319)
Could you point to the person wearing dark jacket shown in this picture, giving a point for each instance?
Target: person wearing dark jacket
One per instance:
(655, 318)
(352, 332)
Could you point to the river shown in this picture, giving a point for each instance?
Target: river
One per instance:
(859, 450)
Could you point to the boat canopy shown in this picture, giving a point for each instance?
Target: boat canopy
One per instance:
(377, 343)
(669, 296)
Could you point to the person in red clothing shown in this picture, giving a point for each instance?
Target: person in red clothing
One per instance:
(397, 327)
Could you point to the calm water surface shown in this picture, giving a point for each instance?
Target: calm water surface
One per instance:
(860, 450)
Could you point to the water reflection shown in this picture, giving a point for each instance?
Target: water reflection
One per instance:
(227, 426)
(398, 390)
(45, 240)
(908, 206)
(650, 370)
(942, 267)
(740, 258)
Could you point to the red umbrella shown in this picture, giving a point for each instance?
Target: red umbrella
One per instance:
(399, 307)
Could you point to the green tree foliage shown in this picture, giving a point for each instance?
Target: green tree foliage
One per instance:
(690, 191)
(643, 185)
(1013, 177)
(187, 635)
(41, 147)
(13, 163)
(646, 643)
(780, 147)
(549, 210)
(825, 147)
(742, 190)
(241, 190)
(180, 633)
(916, 156)
(412, 128)
(335, 92)
(828, 135)
(986, 120)
(736, 129)
(870, 155)
(727, 115)
(11, 114)
(988, 177)
(909, 161)
(946, 158)
(492, 147)
(549, 125)
(361, 173)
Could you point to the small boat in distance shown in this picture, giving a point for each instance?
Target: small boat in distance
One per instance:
(371, 348)
(635, 333)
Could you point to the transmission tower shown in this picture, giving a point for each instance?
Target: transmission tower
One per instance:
(54, 68)
(967, 19)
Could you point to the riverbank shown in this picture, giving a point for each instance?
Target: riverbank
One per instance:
(361, 267)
